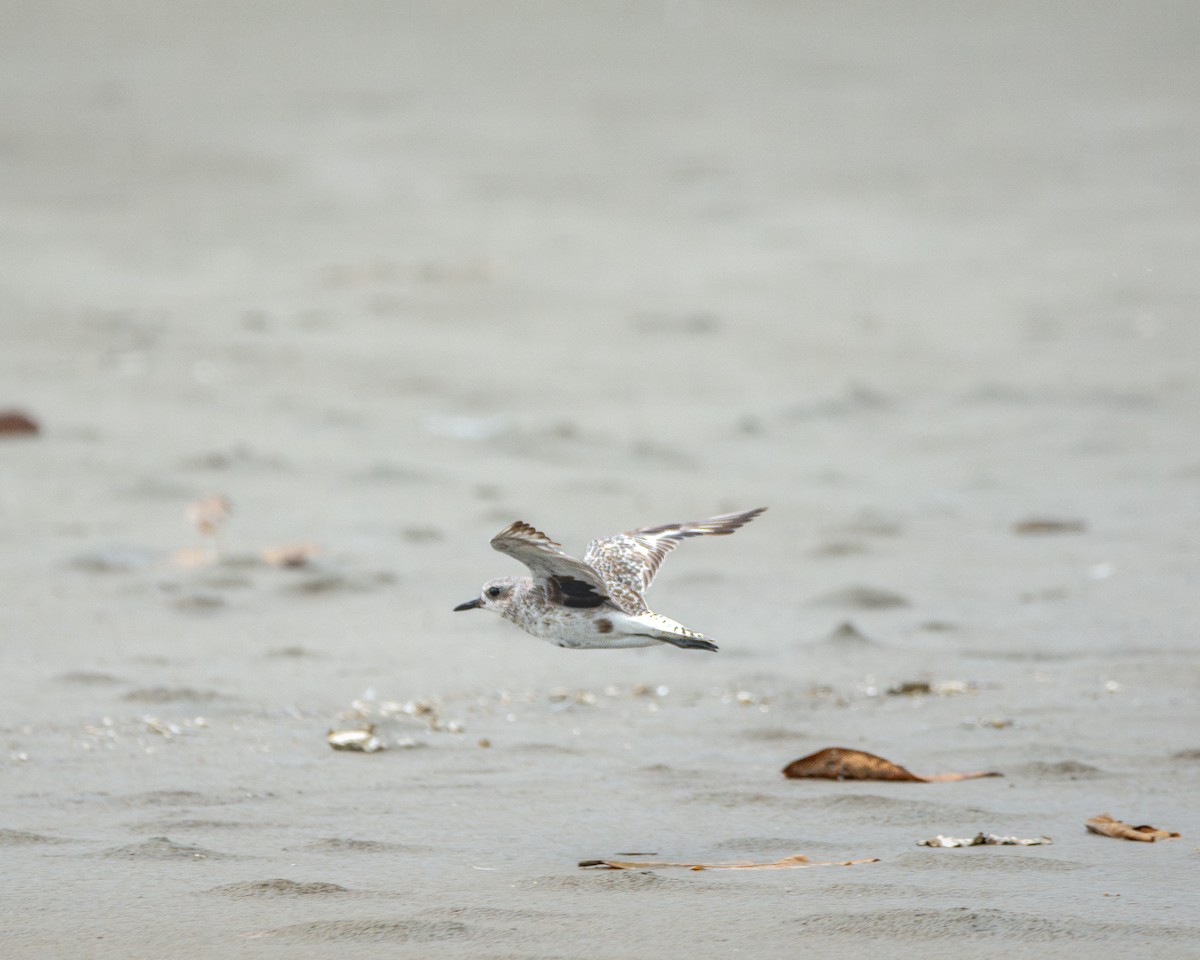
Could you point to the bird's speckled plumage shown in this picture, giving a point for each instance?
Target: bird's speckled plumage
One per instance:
(628, 562)
(598, 601)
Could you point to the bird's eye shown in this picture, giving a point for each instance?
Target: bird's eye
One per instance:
(493, 591)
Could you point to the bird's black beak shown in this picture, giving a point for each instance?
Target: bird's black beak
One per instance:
(470, 604)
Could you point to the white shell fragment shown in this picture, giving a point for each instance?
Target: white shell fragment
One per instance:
(983, 840)
(371, 725)
(362, 741)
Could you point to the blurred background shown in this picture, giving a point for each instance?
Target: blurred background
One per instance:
(304, 301)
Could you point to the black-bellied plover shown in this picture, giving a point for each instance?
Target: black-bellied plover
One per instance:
(596, 602)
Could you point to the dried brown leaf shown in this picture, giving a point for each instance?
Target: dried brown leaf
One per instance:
(1106, 826)
(798, 860)
(842, 763)
(14, 423)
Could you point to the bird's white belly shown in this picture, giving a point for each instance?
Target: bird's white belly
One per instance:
(608, 629)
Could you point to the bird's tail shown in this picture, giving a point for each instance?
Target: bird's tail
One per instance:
(658, 627)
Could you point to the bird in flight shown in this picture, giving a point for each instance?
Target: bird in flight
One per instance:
(598, 601)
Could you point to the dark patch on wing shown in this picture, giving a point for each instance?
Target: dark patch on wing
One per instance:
(576, 593)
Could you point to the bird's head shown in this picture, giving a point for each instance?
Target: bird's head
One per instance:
(495, 595)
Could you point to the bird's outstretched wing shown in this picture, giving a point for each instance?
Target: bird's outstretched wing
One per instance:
(628, 561)
(569, 581)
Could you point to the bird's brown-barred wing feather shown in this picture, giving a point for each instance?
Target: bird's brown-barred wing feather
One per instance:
(569, 581)
(628, 561)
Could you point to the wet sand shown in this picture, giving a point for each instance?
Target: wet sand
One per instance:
(391, 276)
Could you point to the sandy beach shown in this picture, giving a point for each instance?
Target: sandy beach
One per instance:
(920, 278)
